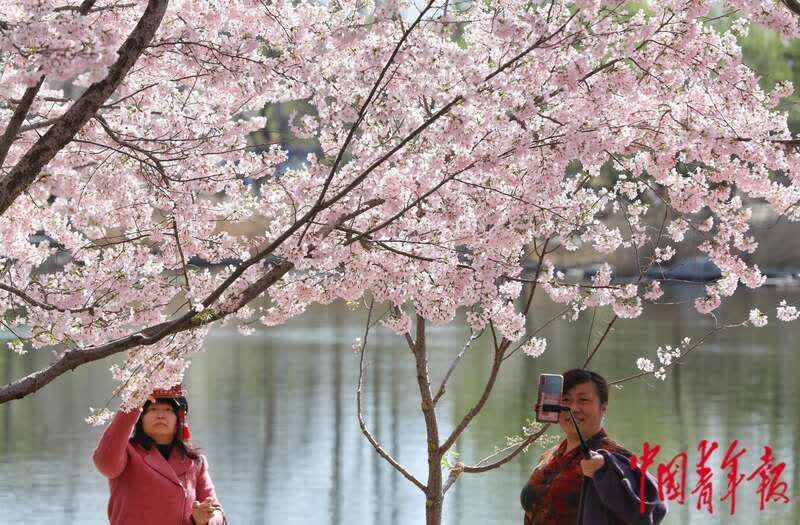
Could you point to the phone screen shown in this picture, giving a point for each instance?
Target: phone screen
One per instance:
(550, 386)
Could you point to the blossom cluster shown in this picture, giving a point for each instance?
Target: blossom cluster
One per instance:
(666, 355)
(483, 133)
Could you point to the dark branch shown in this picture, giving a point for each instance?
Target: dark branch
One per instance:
(17, 119)
(487, 390)
(441, 390)
(362, 112)
(71, 359)
(39, 304)
(793, 6)
(65, 129)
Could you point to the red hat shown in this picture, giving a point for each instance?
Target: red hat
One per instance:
(175, 391)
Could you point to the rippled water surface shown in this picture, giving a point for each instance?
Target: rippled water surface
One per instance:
(275, 414)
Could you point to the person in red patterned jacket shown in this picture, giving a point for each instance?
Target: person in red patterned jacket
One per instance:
(566, 489)
(155, 475)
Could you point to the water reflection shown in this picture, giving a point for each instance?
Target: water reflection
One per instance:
(275, 413)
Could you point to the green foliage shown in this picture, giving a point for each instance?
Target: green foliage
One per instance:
(205, 316)
(449, 459)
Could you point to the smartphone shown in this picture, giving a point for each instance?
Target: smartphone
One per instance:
(550, 387)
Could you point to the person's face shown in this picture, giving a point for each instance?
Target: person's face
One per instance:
(159, 423)
(583, 401)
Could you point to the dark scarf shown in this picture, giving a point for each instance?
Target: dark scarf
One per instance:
(165, 450)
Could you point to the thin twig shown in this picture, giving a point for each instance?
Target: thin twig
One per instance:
(497, 361)
(362, 112)
(522, 446)
(40, 304)
(361, 423)
(180, 252)
(535, 332)
(642, 273)
(440, 391)
(536, 277)
(700, 341)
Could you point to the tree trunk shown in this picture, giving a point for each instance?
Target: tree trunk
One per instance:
(433, 492)
(433, 511)
(434, 497)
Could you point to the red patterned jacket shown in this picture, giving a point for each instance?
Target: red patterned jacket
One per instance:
(557, 492)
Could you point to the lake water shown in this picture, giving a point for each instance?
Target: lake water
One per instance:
(275, 414)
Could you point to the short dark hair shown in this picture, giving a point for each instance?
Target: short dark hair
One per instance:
(578, 376)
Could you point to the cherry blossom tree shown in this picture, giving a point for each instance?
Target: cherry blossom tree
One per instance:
(457, 140)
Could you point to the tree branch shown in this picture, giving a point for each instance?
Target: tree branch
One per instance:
(793, 6)
(361, 423)
(642, 273)
(700, 341)
(536, 277)
(497, 362)
(362, 112)
(65, 129)
(71, 359)
(460, 468)
(38, 125)
(10, 134)
(519, 448)
(535, 332)
(427, 123)
(465, 421)
(410, 205)
(440, 392)
(180, 252)
(600, 342)
(419, 350)
(39, 304)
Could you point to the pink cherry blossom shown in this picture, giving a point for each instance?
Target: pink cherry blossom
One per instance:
(653, 292)
(143, 197)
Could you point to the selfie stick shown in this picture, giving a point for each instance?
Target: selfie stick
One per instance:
(561, 408)
(584, 446)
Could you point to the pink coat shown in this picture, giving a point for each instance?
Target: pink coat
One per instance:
(145, 488)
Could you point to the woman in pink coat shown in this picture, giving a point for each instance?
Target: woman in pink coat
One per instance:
(156, 477)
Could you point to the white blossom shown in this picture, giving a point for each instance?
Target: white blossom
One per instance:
(787, 313)
(644, 364)
(535, 346)
(757, 318)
